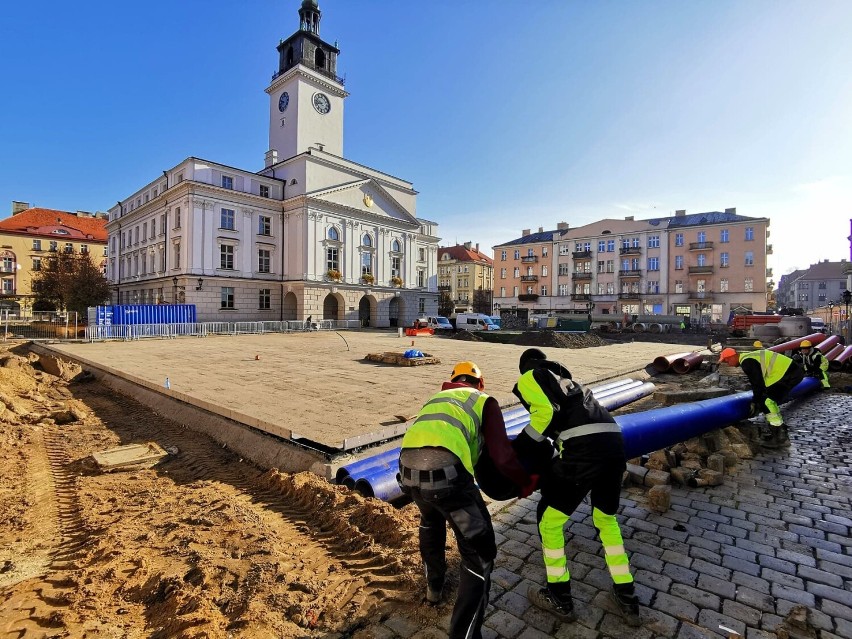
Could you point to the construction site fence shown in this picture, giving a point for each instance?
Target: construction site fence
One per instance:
(203, 329)
(42, 327)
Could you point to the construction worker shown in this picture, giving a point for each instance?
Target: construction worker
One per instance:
(589, 459)
(813, 361)
(772, 376)
(458, 432)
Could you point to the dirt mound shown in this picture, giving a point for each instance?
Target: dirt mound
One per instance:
(558, 340)
(467, 336)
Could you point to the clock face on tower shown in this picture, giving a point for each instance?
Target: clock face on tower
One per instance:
(321, 103)
(283, 101)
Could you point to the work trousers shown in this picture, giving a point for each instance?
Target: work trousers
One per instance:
(461, 506)
(563, 488)
(777, 394)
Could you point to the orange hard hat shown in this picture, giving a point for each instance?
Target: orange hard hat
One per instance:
(729, 356)
(806, 343)
(470, 369)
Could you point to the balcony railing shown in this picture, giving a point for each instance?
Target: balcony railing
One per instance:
(529, 278)
(629, 296)
(445, 287)
(701, 246)
(769, 249)
(630, 250)
(631, 272)
(581, 275)
(529, 259)
(527, 297)
(700, 295)
(706, 268)
(582, 255)
(581, 297)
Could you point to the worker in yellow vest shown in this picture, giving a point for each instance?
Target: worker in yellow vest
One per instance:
(772, 376)
(589, 459)
(458, 433)
(813, 361)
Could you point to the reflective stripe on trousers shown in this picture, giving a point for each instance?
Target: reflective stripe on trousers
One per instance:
(616, 557)
(551, 528)
(774, 417)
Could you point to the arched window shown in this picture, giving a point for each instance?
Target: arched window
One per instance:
(333, 234)
(395, 246)
(289, 62)
(367, 240)
(319, 59)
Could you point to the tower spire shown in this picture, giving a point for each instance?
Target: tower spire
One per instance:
(309, 17)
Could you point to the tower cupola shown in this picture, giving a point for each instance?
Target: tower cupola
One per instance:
(309, 17)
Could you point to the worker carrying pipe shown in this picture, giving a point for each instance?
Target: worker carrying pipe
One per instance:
(589, 459)
(772, 376)
(813, 361)
(458, 433)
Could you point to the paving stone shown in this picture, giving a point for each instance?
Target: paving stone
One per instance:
(755, 599)
(737, 563)
(640, 561)
(581, 591)
(798, 558)
(754, 633)
(680, 574)
(509, 562)
(778, 565)
(732, 530)
(517, 549)
(575, 631)
(539, 620)
(844, 628)
(837, 569)
(707, 568)
(534, 633)
(430, 633)
(613, 626)
(689, 631)
(770, 622)
(504, 578)
(517, 535)
(588, 614)
(401, 626)
(705, 556)
(748, 615)
(820, 576)
(700, 598)
(674, 546)
(659, 623)
(712, 619)
(796, 595)
(676, 607)
(829, 593)
(722, 587)
(514, 602)
(834, 557)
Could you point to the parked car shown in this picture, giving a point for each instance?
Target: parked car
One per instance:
(475, 322)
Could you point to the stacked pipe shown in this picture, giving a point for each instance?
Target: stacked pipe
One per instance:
(838, 362)
(376, 476)
(680, 363)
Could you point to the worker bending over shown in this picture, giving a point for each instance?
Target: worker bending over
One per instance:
(590, 458)
(813, 361)
(459, 432)
(772, 376)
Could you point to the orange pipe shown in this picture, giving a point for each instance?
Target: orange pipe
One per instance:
(664, 362)
(828, 344)
(837, 363)
(834, 352)
(793, 344)
(686, 364)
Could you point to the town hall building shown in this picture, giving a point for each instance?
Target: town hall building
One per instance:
(310, 234)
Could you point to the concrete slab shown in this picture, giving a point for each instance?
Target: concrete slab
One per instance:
(131, 455)
(317, 384)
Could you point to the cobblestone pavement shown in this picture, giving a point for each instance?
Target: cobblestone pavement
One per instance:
(738, 556)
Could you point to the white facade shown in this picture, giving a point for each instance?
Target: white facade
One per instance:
(310, 235)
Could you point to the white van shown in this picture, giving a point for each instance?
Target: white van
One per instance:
(437, 323)
(475, 322)
(818, 325)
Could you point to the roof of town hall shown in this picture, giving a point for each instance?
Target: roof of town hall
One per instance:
(53, 223)
(461, 253)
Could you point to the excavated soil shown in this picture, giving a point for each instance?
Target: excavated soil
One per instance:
(201, 545)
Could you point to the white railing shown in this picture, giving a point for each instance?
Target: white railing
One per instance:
(203, 329)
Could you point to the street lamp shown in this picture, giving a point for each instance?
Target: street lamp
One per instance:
(830, 317)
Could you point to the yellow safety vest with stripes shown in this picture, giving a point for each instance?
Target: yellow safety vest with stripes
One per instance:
(452, 419)
(773, 365)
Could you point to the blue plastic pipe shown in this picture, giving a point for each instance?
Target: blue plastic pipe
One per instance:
(622, 398)
(652, 430)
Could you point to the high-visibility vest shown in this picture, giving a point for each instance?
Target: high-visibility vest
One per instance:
(772, 364)
(452, 419)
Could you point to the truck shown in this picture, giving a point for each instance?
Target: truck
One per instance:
(475, 322)
(741, 324)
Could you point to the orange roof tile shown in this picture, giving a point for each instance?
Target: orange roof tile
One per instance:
(44, 222)
(461, 253)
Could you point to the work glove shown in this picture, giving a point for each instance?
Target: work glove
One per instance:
(530, 488)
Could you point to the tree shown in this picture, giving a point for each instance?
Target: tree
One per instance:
(446, 306)
(482, 301)
(70, 281)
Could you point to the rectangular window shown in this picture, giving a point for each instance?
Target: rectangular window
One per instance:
(749, 258)
(421, 305)
(653, 263)
(749, 284)
(517, 254)
(264, 190)
(723, 286)
(517, 272)
(227, 182)
(227, 297)
(514, 291)
(177, 218)
(176, 260)
(610, 246)
(678, 239)
(264, 225)
(421, 255)
(654, 241)
(421, 277)
(601, 246)
(601, 266)
(332, 262)
(564, 249)
(263, 261)
(53, 245)
(366, 264)
(153, 228)
(724, 260)
(502, 256)
(530, 252)
(264, 299)
(678, 262)
(162, 223)
(724, 236)
(502, 291)
(136, 235)
(69, 247)
(678, 286)
(226, 257)
(653, 287)
(702, 237)
(36, 245)
(563, 268)
(610, 266)
(502, 273)
(36, 263)
(610, 288)
(544, 251)
(702, 259)
(84, 249)
(179, 178)
(105, 251)
(144, 231)
(396, 263)
(634, 264)
(635, 242)
(226, 219)
(749, 234)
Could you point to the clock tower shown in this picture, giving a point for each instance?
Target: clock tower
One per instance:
(306, 95)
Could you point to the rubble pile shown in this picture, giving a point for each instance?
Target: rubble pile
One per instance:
(558, 340)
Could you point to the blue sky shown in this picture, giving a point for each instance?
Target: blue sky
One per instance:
(505, 115)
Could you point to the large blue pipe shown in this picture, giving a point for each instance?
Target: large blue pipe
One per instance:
(652, 430)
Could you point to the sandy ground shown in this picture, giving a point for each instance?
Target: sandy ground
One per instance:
(319, 386)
